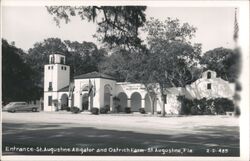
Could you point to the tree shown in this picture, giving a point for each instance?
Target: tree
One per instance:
(17, 82)
(172, 60)
(38, 56)
(82, 57)
(118, 65)
(117, 25)
(225, 62)
(127, 66)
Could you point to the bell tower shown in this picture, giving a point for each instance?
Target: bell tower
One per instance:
(56, 77)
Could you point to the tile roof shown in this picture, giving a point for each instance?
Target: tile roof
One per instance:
(94, 75)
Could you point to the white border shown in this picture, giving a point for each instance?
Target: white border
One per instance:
(243, 41)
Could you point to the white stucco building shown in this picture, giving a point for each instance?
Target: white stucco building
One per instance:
(98, 90)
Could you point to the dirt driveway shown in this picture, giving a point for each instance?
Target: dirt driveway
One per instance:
(62, 133)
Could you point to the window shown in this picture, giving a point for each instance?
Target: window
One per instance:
(49, 100)
(208, 75)
(62, 60)
(62, 67)
(49, 67)
(52, 59)
(209, 86)
(50, 86)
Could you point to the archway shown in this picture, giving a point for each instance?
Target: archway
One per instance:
(135, 102)
(64, 101)
(85, 101)
(107, 94)
(123, 100)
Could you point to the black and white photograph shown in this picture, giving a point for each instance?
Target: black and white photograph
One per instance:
(131, 79)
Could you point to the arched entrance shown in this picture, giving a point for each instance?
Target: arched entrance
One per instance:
(107, 94)
(123, 100)
(85, 101)
(64, 101)
(135, 102)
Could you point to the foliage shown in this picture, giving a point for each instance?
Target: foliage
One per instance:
(105, 109)
(95, 111)
(118, 108)
(205, 106)
(82, 57)
(226, 63)
(142, 110)
(237, 111)
(17, 77)
(66, 108)
(171, 60)
(75, 110)
(118, 65)
(127, 110)
(38, 56)
(117, 25)
(170, 30)
(222, 105)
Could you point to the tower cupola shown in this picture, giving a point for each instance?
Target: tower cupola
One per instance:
(57, 59)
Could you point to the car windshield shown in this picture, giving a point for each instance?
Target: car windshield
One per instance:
(10, 104)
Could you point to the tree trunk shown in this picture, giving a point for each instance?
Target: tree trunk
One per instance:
(150, 99)
(151, 104)
(163, 112)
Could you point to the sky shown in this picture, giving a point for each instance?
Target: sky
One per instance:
(27, 25)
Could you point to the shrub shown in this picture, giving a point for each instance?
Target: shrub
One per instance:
(127, 110)
(107, 107)
(67, 109)
(75, 110)
(104, 110)
(64, 107)
(95, 111)
(142, 110)
(118, 108)
(237, 111)
(222, 105)
(205, 106)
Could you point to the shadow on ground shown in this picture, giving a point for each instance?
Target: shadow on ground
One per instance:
(209, 141)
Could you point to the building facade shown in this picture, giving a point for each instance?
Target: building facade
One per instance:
(99, 90)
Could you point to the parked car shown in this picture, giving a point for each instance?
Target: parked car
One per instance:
(20, 106)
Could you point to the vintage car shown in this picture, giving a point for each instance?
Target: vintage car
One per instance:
(20, 106)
